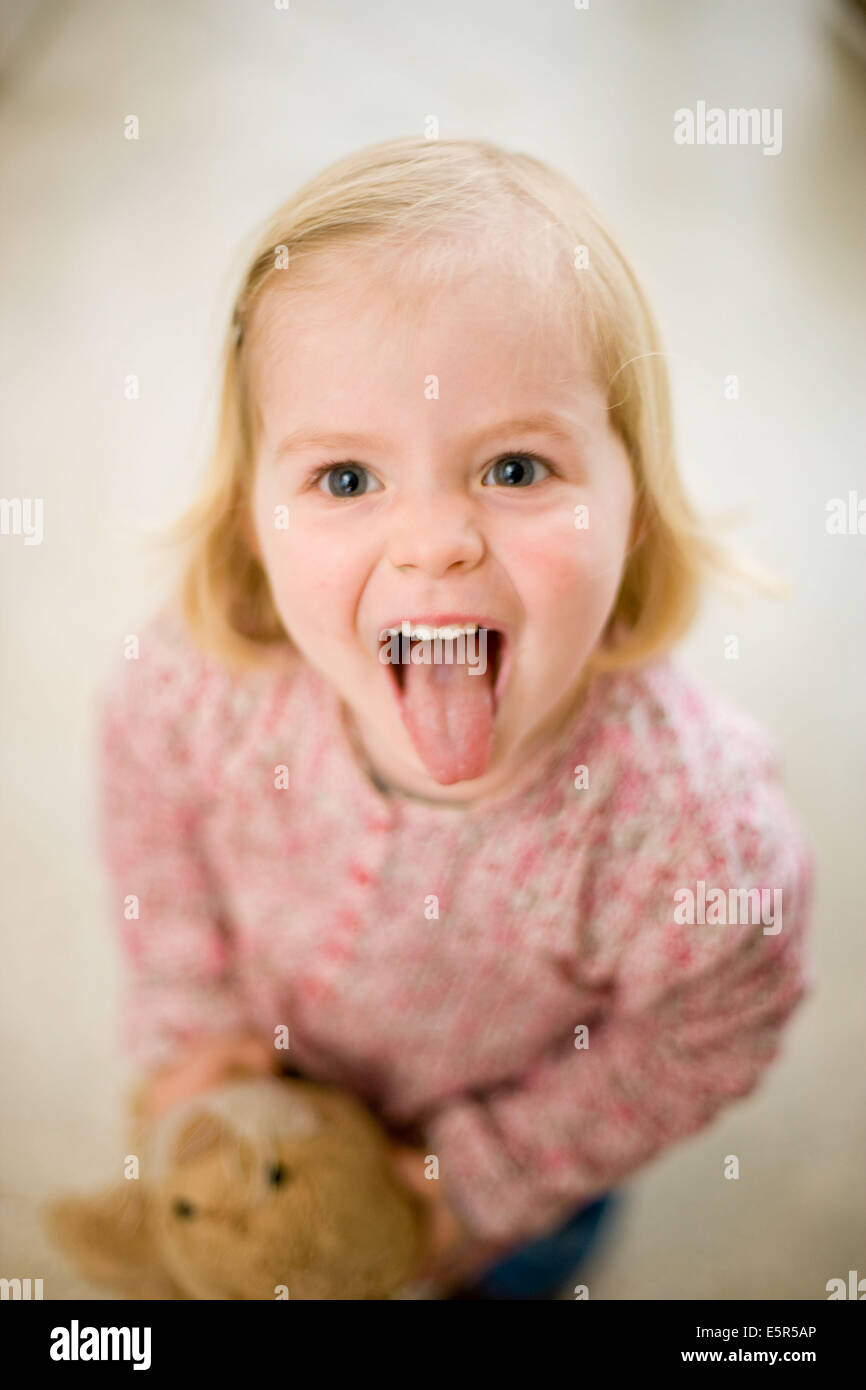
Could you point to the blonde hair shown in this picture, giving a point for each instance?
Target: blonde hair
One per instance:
(404, 195)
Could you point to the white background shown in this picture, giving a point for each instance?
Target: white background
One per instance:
(121, 256)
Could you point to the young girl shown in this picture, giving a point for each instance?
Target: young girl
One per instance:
(406, 768)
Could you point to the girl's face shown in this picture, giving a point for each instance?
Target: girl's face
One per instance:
(440, 458)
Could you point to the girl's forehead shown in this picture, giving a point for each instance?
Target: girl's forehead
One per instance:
(371, 306)
(381, 381)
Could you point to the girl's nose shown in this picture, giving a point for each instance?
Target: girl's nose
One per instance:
(432, 534)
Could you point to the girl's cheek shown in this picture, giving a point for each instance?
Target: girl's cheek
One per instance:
(559, 566)
(313, 580)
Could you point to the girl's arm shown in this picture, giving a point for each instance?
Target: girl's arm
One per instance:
(696, 1018)
(203, 1064)
(175, 942)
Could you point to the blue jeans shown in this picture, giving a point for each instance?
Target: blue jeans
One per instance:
(540, 1269)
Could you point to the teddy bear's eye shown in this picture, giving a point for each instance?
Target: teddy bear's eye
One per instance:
(277, 1173)
(183, 1208)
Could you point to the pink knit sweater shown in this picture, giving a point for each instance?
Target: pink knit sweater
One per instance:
(314, 906)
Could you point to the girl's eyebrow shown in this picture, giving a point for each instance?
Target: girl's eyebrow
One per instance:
(547, 422)
(299, 439)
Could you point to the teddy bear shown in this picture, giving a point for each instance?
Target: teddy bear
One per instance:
(265, 1187)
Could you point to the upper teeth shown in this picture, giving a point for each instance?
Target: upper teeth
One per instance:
(422, 633)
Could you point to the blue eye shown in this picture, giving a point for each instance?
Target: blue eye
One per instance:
(344, 480)
(516, 470)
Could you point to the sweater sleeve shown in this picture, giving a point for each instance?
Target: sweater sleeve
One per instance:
(175, 946)
(696, 1016)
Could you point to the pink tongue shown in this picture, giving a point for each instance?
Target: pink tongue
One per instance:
(449, 715)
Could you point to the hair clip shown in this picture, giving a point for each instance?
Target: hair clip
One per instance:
(237, 328)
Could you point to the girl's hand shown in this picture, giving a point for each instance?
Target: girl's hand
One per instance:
(205, 1064)
(454, 1255)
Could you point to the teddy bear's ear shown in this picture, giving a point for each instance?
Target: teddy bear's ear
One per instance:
(107, 1238)
(198, 1134)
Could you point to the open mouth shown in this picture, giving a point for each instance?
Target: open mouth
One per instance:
(479, 648)
(448, 680)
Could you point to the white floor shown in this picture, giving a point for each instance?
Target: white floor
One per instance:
(117, 258)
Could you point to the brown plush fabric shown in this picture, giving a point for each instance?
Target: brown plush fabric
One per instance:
(264, 1188)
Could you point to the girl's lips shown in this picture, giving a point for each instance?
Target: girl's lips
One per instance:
(449, 618)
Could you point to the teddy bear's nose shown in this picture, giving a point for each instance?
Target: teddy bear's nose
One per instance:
(237, 1220)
